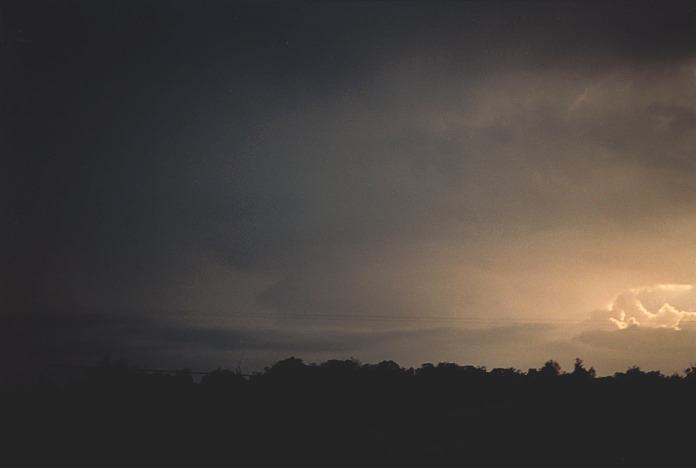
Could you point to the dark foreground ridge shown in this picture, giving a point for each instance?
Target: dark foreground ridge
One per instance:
(344, 413)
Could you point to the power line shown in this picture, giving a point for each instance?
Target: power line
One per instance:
(184, 371)
(414, 318)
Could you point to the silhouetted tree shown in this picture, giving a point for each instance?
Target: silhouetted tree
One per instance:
(289, 367)
(346, 413)
(508, 373)
(690, 374)
(222, 379)
(550, 368)
(580, 372)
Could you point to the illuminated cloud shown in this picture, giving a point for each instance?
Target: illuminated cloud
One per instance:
(658, 306)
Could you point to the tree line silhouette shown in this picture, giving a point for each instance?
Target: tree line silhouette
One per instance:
(346, 413)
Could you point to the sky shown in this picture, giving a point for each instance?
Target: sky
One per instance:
(228, 183)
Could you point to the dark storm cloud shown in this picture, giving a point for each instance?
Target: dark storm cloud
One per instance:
(70, 334)
(130, 100)
(633, 341)
(366, 157)
(85, 338)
